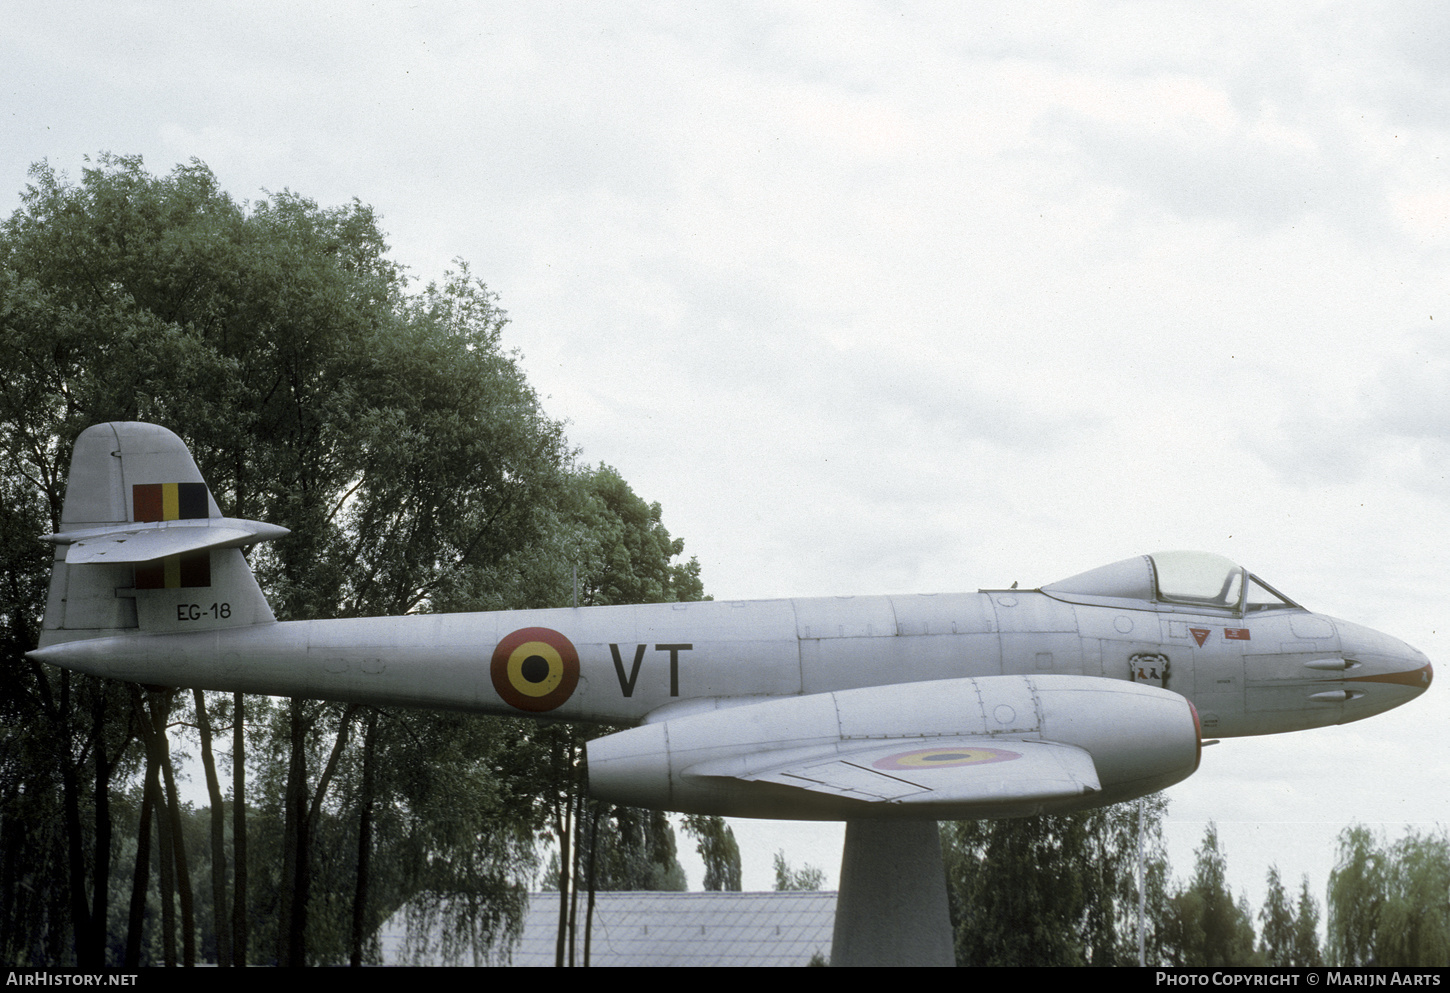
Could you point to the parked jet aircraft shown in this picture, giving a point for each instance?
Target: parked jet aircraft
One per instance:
(1088, 691)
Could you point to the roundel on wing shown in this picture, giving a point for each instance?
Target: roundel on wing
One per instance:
(535, 669)
(943, 758)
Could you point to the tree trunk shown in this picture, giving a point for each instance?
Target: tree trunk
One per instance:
(292, 917)
(166, 876)
(577, 804)
(141, 876)
(564, 827)
(593, 849)
(101, 878)
(330, 769)
(364, 842)
(70, 787)
(218, 836)
(239, 832)
(150, 720)
(178, 838)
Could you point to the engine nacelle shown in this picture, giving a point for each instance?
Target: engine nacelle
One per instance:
(994, 746)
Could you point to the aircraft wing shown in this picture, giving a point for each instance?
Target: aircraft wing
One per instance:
(930, 771)
(949, 748)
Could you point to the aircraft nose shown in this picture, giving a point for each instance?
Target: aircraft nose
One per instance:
(1417, 679)
(1385, 660)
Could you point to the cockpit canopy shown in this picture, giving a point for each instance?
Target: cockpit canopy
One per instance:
(1193, 579)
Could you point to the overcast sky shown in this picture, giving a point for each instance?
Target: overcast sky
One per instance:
(902, 297)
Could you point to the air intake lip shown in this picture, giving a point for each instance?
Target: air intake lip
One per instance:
(1332, 665)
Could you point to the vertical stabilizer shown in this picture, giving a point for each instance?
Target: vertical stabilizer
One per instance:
(142, 545)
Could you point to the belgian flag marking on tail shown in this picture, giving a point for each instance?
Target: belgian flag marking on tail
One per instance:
(168, 501)
(172, 502)
(175, 572)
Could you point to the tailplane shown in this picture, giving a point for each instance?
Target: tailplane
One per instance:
(142, 546)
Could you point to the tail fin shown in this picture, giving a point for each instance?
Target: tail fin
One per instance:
(142, 546)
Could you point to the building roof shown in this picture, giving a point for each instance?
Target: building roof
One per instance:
(687, 929)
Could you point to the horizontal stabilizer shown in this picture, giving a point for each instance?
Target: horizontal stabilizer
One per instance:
(928, 770)
(147, 542)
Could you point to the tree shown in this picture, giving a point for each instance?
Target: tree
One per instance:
(1205, 926)
(623, 551)
(1305, 951)
(386, 427)
(807, 877)
(716, 844)
(64, 742)
(1276, 938)
(1414, 922)
(1290, 934)
(1357, 885)
(1054, 889)
(1388, 904)
(635, 850)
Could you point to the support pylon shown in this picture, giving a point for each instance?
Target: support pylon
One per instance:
(892, 906)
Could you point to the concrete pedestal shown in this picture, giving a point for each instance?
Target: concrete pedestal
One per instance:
(892, 907)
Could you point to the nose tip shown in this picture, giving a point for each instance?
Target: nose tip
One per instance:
(1376, 658)
(1417, 679)
(1382, 659)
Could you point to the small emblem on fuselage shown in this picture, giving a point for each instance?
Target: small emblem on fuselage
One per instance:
(1150, 668)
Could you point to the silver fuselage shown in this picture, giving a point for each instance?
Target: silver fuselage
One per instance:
(1257, 673)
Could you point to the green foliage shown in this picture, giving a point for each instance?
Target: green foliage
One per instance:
(1290, 935)
(635, 850)
(807, 877)
(1388, 903)
(1356, 894)
(1277, 935)
(33, 849)
(1306, 930)
(455, 827)
(1205, 926)
(623, 551)
(716, 844)
(388, 428)
(1053, 890)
